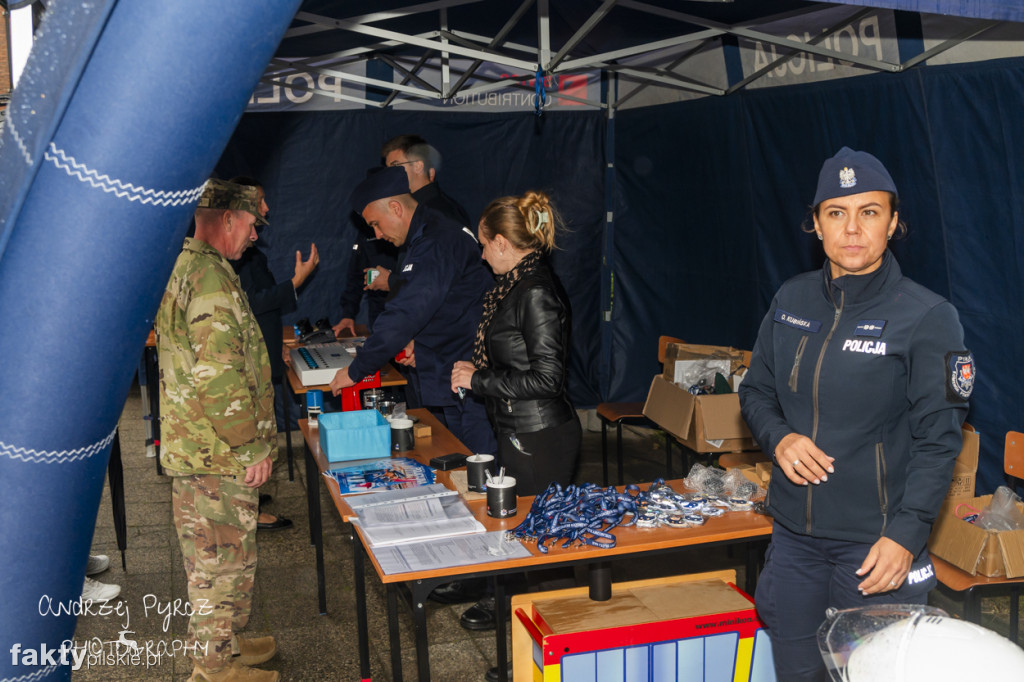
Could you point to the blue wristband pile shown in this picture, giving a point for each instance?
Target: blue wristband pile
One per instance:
(581, 515)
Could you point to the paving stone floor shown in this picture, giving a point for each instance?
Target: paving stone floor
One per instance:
(314, 647)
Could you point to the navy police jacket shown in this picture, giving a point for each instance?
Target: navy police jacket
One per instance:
(438, 306)
(366, 253)
(268, 301)
(872, 368)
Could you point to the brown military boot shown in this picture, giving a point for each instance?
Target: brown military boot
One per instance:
(255, 650)
(234, 672)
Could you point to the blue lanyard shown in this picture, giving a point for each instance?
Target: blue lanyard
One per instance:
(581, 515)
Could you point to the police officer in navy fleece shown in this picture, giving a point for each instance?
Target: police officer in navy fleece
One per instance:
(435, 314)
(858, 387)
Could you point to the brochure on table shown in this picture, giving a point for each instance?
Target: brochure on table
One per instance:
(461, 550)
(373, 475)
(411, 515)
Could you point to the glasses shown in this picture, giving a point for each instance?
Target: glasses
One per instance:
(399, 163)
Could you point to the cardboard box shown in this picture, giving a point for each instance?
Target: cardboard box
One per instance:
(973, 549)
(703, 423)
(680, 356)
(753, 465)
(966, 467)
(694, 628)
(357, 434)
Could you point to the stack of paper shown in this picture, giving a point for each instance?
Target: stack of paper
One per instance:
(410, 515)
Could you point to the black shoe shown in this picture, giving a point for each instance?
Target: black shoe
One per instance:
(265, 499)
(479, 616)
(278, 523)
(492, 674)
(459, 591)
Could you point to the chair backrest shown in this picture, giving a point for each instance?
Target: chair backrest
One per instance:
(1013, 454)
(663, 342)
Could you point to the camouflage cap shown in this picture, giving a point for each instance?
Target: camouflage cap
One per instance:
(228, 195)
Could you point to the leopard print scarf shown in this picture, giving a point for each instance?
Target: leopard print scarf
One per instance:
(493, 297)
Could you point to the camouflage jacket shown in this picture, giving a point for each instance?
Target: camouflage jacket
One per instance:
(216, 398)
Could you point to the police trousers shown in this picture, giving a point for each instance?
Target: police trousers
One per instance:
(803, 576)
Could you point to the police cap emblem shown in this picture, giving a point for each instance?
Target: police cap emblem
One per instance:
(847, 178)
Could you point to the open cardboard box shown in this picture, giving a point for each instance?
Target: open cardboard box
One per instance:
(968, 547)
(965, 469)
(678, 355)
(703, 423)
(976, 550)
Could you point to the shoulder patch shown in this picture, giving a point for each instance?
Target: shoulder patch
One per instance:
(797, 322)
(960, 373)
(870, 328)
(407, 268)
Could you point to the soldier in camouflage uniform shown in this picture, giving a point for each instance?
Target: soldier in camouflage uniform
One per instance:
(217, 430)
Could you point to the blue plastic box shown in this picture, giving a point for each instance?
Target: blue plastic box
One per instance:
(358, 434)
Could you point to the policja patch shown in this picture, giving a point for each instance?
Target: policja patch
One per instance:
(960, 376)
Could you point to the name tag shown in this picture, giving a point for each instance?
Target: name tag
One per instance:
(797, 322)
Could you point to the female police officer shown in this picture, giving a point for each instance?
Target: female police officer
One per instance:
(858, 387)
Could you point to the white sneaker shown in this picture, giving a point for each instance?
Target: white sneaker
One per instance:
(97, 564)
(98, 592)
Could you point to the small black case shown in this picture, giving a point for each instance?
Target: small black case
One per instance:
(452, 460)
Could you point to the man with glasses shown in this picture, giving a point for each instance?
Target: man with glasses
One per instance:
(419, 161)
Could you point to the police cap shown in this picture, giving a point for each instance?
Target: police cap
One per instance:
(380, 183)
(852, 172)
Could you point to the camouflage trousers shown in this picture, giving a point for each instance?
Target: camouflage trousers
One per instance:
(215, 517)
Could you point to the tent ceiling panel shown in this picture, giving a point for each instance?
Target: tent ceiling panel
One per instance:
(537, 54)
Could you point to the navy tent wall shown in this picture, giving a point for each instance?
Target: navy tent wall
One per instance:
(712, 194)
(309, 163)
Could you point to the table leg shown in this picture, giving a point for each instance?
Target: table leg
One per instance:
(1014, 612)
(312, 495)
(753, 561)
(604, 452)
(618, 447)
(394, 637)
(316, 534)
(972, 605)
(601, 581)
(115, 477)
(287, 400)
(153, 393)
(362, 629)
(668, 456)
(500, 631)
(419, 620)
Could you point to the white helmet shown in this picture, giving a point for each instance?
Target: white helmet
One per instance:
(911, 643)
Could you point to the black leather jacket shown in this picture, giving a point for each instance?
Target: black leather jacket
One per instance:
(528, 346)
